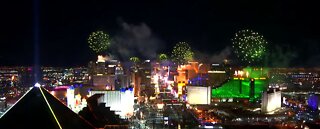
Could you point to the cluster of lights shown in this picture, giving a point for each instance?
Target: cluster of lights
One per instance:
(249, 46)
(182, 53)
(240, 73)
(99, 41)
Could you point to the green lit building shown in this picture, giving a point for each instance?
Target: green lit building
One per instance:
(248, 83)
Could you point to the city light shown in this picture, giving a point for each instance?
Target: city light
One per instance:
(200, 67)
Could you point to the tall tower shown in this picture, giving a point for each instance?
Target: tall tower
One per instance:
(119, 78)
(70, 98)
(101, 65)
(240, 86)
(252, 87)
(271, 100)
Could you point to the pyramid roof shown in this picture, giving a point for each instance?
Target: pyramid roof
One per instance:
(39, 109)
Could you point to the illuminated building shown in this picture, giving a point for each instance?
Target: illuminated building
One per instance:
(162, 78)
(313, 102)
(3, 104)
(185, 73)
(217, 75)
(231, 89)
(271, 100)
(136, 81)
(101, 65)
(139, 77)
(111, 78)
(180, 88)
(242, 85)
(103, 81)
(199, 94)
(120, 79)
(145, 74)
(70, 98)
(97, 72)
(111, 66)
(119, 101)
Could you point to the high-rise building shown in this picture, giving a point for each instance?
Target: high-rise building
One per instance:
(217, 75)
(271, 100)
(121, 80)
(111, 78)
(101, 65)
(120, 101)
(135, 82)
(313, 102)
(199, 94)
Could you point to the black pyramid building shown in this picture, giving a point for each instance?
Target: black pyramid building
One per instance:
(38, 109)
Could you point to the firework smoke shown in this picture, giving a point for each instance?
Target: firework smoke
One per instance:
(135, 40)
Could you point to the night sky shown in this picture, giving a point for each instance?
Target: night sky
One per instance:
(208, 27)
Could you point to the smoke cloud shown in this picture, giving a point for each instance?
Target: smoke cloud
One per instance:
(135, 40)
(310, 53)
(215, 58)
(280, 57)
(224, 54)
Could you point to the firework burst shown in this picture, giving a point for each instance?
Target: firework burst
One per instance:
(99, 41)
(182, 53)
(249, 46)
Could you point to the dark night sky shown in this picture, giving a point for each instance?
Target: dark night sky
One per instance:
(208, 26)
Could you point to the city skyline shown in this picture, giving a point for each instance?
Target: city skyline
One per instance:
(159, 64)
(64, 27)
